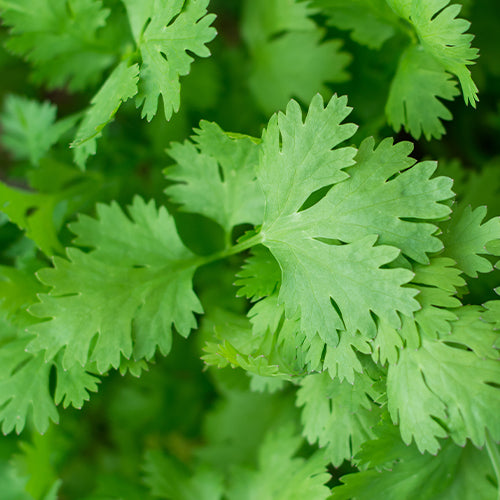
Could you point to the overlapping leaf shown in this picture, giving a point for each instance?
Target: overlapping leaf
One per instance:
(370, 22)
(327, 252)
(339, 416)
(440, 389)
(29, 127)
(126, 294)
(164, 33)
(118, 87)
(60, 39)
(398, 471)
(289, 56)
(466, 236)
(216, 177)
(414, 97)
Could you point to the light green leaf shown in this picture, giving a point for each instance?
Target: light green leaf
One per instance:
(280, 475)
(339, 416)
(128, 292)
(120, 86)
(413, 101)
(442, 383)
(164, 33)
(30, 128)
(216, 177)
(443, 36)
(465, 238)
(327, 252)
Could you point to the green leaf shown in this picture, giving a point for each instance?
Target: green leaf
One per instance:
(167, 478)
(120, 85)
(384, 196)
(440, 389)
(40, 215)
(279, 474)
(60, 39)
(164, 33)
(442, 35)
(339, 416)
(260, 276)
(216, 177)
(413, 101)
(327, 252)
(455, 474)
(24, 388)
(30, 128)
(262, 19)
(296, 64)
(465, 238)
(127, 293)
(73, 385)
(370, 22)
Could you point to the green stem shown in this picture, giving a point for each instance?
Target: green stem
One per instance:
(233, 250)
(494, 454)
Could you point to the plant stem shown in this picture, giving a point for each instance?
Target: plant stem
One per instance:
(233, 250)
(494, 454)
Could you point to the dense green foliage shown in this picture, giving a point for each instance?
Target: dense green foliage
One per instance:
(249, 249)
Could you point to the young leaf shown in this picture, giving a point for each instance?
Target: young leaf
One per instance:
(119, 86)
(164, 33)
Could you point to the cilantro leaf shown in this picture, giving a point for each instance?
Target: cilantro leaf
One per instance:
(435, 372)
(216, 177)
(338, 415)
(413, 97)
(442, 35)
(24, 388)
(280, 475)
(128, 292)
(40, 215)
(296, 64)
(370, 22)
(118, 87)
(164, 32)
(260, 276)
(30, 128)
(60, 39)
(465, 238)
(327, 252)
(289, 56)
(456, 473)
(167, 478)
